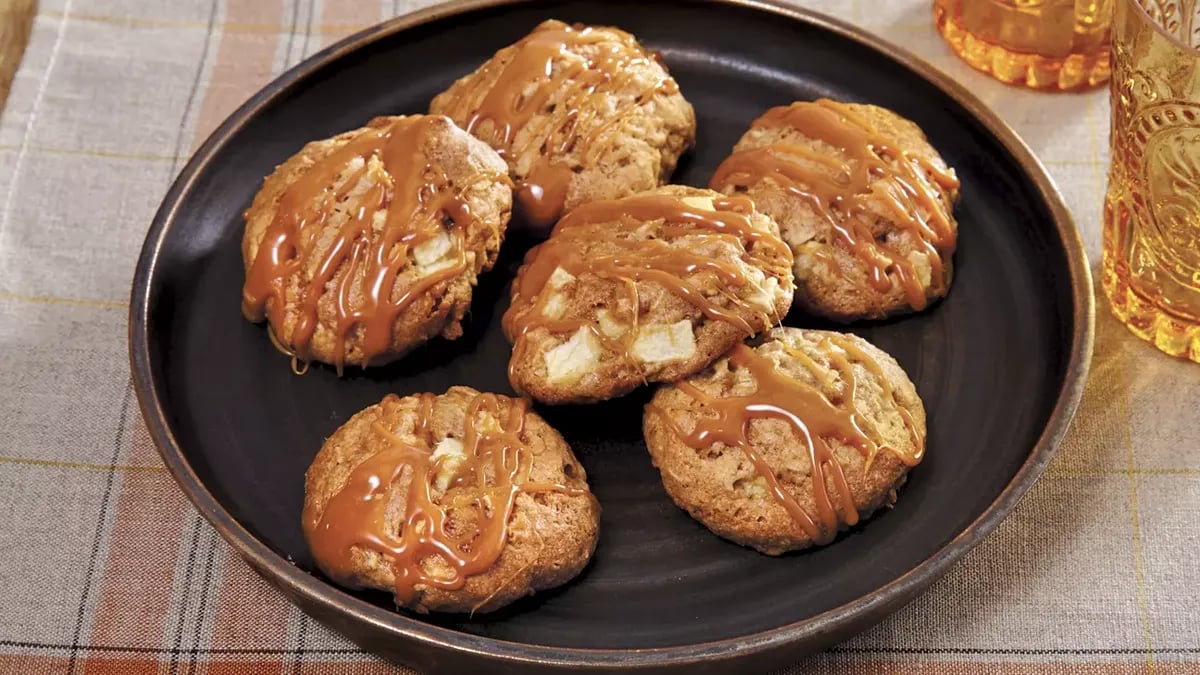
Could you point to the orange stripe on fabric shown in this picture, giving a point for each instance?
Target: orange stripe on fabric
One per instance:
(371, 667)
(249, 666)
(127, 666)
(347, 13)
(30, 663)
(135, 591)
(243, 62)
(367, 667)
(1174, 668)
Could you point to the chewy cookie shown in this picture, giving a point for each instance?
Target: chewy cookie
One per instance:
(861, 197)
(779, 446)
(648, 288)
(580, 113)
(363, 246)
(462, 502)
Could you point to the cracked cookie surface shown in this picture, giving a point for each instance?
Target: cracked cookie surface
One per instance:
(581, 113)
(861, 197)
(363, 246)
(648, 288)
(461, 502)
(780, 446)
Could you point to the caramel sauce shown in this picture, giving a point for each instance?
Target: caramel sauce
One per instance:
(616, 223)
(542, 194)
(843, 191)
(814, 417)
(420, 203)
(852, 353)
(495, 469)
(548, 74)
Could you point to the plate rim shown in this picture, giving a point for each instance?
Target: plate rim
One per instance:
(310, 593)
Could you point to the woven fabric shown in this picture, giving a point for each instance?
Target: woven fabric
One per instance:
(104, 566)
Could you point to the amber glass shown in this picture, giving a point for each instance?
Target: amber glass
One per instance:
(1043, 44)
(1151, 260)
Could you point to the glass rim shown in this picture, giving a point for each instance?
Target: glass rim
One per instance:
(1159, 28)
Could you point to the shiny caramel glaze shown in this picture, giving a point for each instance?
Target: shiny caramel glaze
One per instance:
(434, 521)
(399, 197)
(851, 173)
(666, 239)
(551, 102)
(823, 413)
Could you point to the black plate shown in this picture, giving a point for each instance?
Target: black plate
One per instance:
(1000, 363)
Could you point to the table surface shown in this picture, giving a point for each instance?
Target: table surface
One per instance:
(105, 567)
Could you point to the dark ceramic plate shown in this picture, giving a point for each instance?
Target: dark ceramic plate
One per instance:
(1000, 363)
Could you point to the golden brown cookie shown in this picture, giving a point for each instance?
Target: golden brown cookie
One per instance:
(648, 288)
(363, 246)
(781, 445)
(861, 197)
(580, 113)
(462, 502)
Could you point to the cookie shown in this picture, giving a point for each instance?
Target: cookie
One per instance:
(580, 113)
(462, 502)
(363, 246)
(862, 198)
(779, 446)
(648, 288)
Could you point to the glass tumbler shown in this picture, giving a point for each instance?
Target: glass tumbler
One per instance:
(1042, 44)
(1151, 261)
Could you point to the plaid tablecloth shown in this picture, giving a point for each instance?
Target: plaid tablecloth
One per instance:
(104, 567)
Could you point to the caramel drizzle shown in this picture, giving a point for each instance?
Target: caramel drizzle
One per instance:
(544, 64)
(614, 222)
(495, 469)
(815, 419)
(841, 191)
(421, 203)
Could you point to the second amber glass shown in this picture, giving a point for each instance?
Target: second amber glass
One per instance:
(1044, 44)
(1151, 263)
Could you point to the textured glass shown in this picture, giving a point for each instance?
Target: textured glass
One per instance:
(1151, 263)
(1044, 44)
